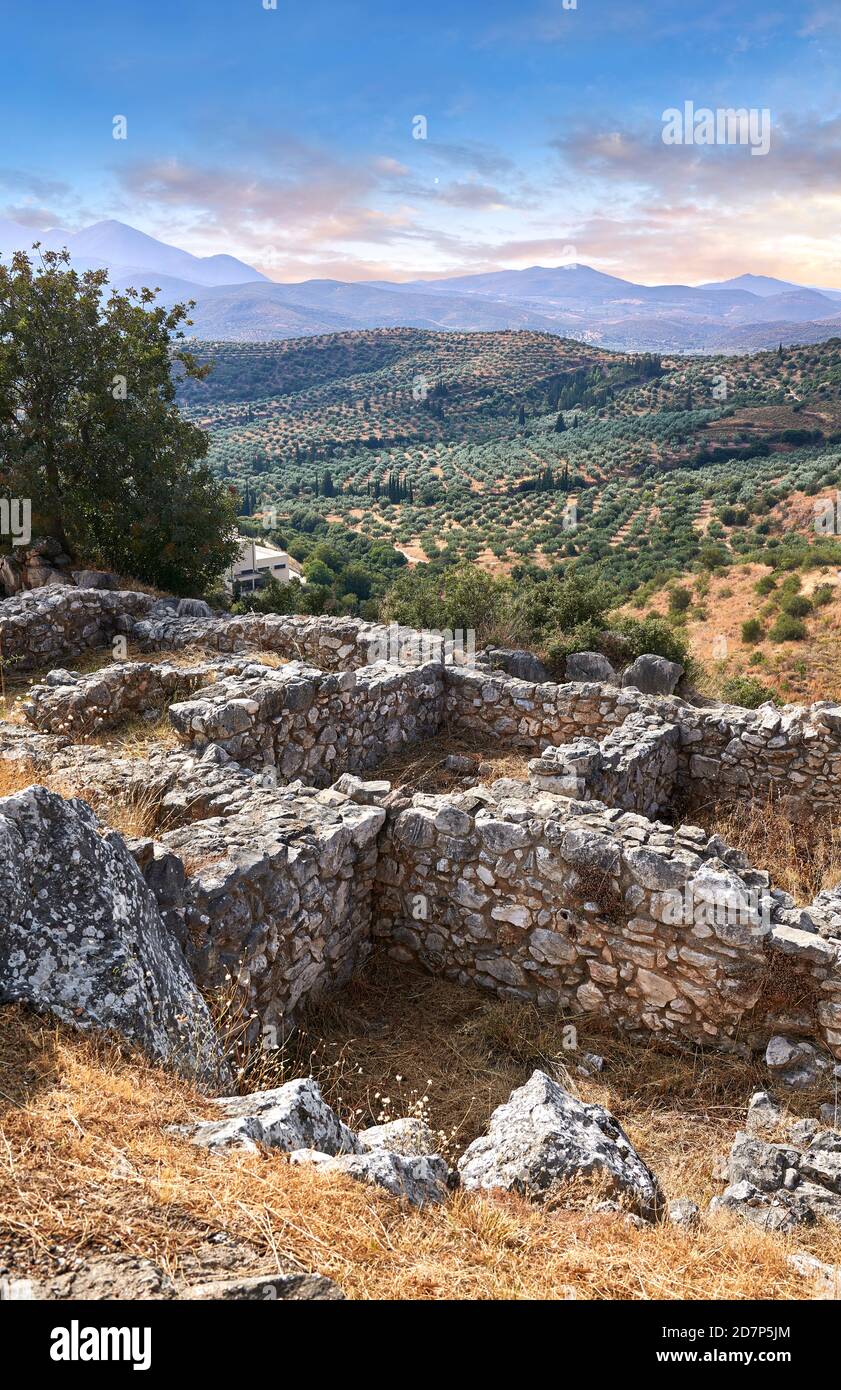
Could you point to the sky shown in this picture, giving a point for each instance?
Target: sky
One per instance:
(287, 135)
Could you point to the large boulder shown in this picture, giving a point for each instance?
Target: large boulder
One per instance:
(82, 937)
(653, 675)
(95, 579)
(523, 665)
(180, 608)
(590, 666)
(543, 1137)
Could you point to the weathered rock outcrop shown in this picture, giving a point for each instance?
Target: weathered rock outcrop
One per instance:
(296, 1119)
(420, 1179)
(82, 937)
(791, 1182)
(293, 1116)
(543, 1138)
(653, 675)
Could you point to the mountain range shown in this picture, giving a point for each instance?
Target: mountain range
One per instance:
(235, 301)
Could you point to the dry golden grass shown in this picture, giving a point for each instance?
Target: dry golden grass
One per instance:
(801, 856)
(138, 815)
(420, 767)
(138, 737)
(86, 1167)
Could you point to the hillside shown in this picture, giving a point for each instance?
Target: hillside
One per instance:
(644, 446)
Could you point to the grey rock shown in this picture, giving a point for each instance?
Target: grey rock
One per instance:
(82, 936)
(652, 675)
(590, 666)
(759, 1163)
(684, 1213)
(180, 608)
(410, 1137)
(824, 1279)
(543, 1136)
(780, 1212)
(420, 1179)
(267, 1288)
(792, 1062)
(515, 662)
(802, 1132)
(108, 1278)
(294, 1116)
(95, 579)
(821, 1161)
(764, 1115)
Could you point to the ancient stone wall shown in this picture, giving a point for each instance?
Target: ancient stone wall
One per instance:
(566, 890)
(793, 752)
(307, 724)
(276, 898)
(61, 621)
(67, 703)
(634, 767)
(591, 909)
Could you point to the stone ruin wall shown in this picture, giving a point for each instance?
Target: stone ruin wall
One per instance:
(575, 906)
(302, 723)
(55, 624)
(553, 891)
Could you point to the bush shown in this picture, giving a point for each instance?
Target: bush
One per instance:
(679, 599)
(765, 585)
(787, 629)
(751, 630)
(746, 691)
(647, 635)
(798, 606)
(462, 596)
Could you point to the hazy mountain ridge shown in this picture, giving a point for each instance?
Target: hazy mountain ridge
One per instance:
(235, 301)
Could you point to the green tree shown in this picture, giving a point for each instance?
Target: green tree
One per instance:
(90, 431)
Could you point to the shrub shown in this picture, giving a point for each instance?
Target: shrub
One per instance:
(746, 691)
(787, 629)
(765, 585)
(751, 630)
(636, 637)
(797, 606)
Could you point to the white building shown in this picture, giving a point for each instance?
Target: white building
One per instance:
(256, 561)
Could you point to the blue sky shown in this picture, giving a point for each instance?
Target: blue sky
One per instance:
(284, 136)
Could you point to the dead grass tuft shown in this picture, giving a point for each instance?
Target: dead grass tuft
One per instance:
(801, 856)
(421, 767)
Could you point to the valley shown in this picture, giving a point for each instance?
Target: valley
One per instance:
(528, 455)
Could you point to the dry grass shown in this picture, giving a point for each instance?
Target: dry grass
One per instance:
(801, 856)
(420, 766)
(85, 1166)
(137, 737)
(139, 815)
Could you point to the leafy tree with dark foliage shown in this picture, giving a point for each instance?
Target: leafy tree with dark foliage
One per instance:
(90, 432)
